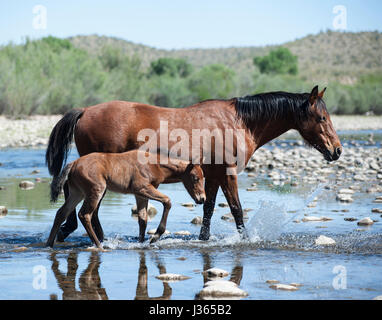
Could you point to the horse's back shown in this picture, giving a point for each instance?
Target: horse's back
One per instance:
(106, 127)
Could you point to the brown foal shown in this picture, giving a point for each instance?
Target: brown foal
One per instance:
(90, 176)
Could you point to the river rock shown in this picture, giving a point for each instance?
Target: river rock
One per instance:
(152, 231)
(216, 272)
(324, 241)
(378, 298)
(151, 210)
(221, 289)
(223, 204)
(197, 220)
(188, 204)
(344, 197)
(182, 233)
(286, 287)
(26, 185)
(272, 281)
(346, 191)
(3, 211)
(365, 222)
(171, 277)
(313, 218)
(376, 210)
(350, 219)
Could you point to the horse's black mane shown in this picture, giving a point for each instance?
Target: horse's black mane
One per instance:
(274, 105)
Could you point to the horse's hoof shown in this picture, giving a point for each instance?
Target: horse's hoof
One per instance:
(154, 238)
(204, 237)
(61, 235)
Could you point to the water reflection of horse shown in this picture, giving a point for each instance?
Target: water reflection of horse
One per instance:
(115, 126)
(90, 285)
(89, 282)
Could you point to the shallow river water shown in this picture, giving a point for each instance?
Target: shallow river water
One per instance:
(277, 248)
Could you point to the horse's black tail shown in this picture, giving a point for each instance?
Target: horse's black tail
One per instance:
(60, 140)
(58, 183)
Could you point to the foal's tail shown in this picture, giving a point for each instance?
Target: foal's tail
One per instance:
(58, 183)
(60, 140)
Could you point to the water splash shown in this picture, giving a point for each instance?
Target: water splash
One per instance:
(271, 218)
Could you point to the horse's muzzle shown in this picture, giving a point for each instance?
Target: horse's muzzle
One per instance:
(332, 156)
(200, 199)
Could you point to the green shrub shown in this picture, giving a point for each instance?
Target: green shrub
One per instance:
(279, 61)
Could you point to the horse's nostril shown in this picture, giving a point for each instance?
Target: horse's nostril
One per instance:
(338, 151)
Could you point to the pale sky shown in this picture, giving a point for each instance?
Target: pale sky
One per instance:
(186, 24)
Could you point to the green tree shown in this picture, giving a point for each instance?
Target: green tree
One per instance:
(279, 61)
(214, 81)
(170, 66)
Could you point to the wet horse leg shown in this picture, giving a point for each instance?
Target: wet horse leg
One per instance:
(70, 203)
(96, 223)
(230, 190)
(211, 188)
(142, 216)
(85, 216)
(151, 193)
(71, 221)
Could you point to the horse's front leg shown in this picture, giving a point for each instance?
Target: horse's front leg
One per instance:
(231, 193)
(211, 188)
(152, 193)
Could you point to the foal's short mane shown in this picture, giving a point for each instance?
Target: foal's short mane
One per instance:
(274, 105)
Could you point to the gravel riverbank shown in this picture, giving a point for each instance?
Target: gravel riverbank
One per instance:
(34, 131)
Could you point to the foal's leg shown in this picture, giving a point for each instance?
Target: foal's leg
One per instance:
(89, 206)
(230, 190)
(151, 193)
(71, 221)
(142, 216)
(70, 204)
(96, 223)
(211, 188)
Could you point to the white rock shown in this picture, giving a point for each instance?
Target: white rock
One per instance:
(152, 231)
(365, 222)
(171, 277)
(376, 210)
(344, 197)
(378, 298)
(216, 272)
(324, 241)
(26, 185)
(286, 287)
(346, 191)
(221, 289)
(182, 233)
(313, 218)
(197, 220)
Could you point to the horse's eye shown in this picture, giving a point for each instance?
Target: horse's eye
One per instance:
(196, 179)
(322, 119)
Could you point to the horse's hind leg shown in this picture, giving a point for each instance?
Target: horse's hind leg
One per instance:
(71, 221)
(211, 189)
(142, 216)
(96, 223)
(70, 204)
(85, 215)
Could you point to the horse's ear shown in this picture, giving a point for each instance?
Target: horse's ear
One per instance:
(313, 95)
(321, 94)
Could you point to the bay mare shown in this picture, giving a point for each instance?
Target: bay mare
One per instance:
(115, 126)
